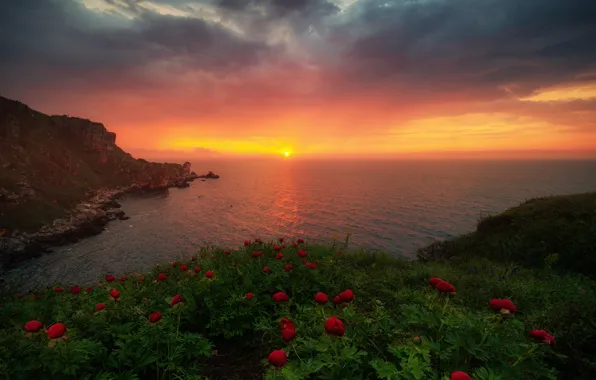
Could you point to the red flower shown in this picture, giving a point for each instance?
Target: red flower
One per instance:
(347, 295)
(246, 242)
(266, 269)
(459, 375)
(162, 277)
(75, 290)
(36, 297)
(286, 323)
(89, 289)
(299, 241)
(209, 274)
(140, 278)
(56, 331)
(155, 317)
(197, 269)
(58, 290)
(288, 267)
(312, 265)
(249, 296)
(302, 253)
(122, 279)
(445, 287)
(33, 326)
(193, 258)
(417, 339)
(337, 300)
(321, 298)
(542, 336)
(281, 240)
(110, 277)
(276, 248)
(288, 334)
(294, 245)
(174, 264)
(279, 256)
(213, 258)
(257, 254)
(334, 326)
(100, 306)
(434, 281)
(278, 358)
(339, 252)
(227, 253)
(176, 299)
(183, 268)
(114, 293)
(504, 306)
(280, 297)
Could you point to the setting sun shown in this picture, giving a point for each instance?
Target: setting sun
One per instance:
(287, 154)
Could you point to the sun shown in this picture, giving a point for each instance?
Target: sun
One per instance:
(286, 154)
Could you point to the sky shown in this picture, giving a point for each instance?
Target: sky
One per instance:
(314, 78)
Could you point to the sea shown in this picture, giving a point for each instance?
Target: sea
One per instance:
(380, 205)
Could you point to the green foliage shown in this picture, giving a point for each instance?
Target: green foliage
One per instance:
(393, 305)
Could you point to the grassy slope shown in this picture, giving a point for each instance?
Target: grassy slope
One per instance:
(393, 303)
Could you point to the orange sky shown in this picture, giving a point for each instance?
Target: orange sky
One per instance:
(328, 78)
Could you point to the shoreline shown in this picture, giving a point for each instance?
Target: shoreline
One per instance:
(87, 219)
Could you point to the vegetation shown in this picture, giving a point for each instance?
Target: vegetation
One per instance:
(221, 315)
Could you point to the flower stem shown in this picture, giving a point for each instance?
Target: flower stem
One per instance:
(296, 352)
(527, 355)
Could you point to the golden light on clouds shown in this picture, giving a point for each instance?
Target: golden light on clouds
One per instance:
(564, 93)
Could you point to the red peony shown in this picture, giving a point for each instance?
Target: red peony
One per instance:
(288, 334)
(56, 331)
(279, 256)
(276, 248)
(36, 297)
(75, 290)
(249, 296)
(122, 279)
(33, 326)
(174, 264)
(459, 375)
(58, 290)
(257, 254)
(183, 268)
(176, 299)
(312, 265)
(266, 269)
(277, 358)
(114, 293)
(299, 241)
(302, 253)
(337, 300)
(434, 281)
(280, 297)
(294, 245)
(286, 323)
(89, 289)
(504, 306)
(321, 298)
(334, 326)
(246, 242)
(347, 295)
(100, 306)
(197, 269)
(209, 274)
(281, 240)
(162, 277)
(542, 336)
(227, 253)
(339, 252)
(155, 317)
(445, 287)
(110, 277)
(288, 267)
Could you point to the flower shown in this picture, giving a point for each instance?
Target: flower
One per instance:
(299, 241)
(249, 296)
(140, 278)
(155, 317)
(266, 269)
(347, 295)
(459, 375)
(321, 298)
(543, 336)
(176, 299)
(58, 290)
(288, 267)
(209, 274)
(417, 339)
(33, 326)
(276, 248)
(280, 297)
(56, 331)
(246, 242)
(114, 293)
(339, 252)
(504, 306)
(445, 287)
(279, 256)
(122, 279)
(110, 277)
(281, 240)
(294, 245)
(227, 253)
(434, 281)
(174, 264)
(312, 265)
(100, 306)
(286, 323)
(75, 290)
(337, 300)
(193, 258)
(197, 269)
(183, 268)
(257, 254)
(334, 326)
(302, 253)
(288, 333)
(162, 277)
(89, 289)
(36, 297)
(278, 358)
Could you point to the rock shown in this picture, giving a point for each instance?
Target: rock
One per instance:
(209, 175)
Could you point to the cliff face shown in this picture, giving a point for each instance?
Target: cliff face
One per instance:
(48, 164)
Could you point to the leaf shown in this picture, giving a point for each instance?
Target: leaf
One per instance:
(385, 370)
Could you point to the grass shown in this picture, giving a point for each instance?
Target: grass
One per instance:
(397, 327)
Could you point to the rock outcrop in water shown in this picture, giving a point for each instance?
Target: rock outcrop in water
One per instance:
(60, 177)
